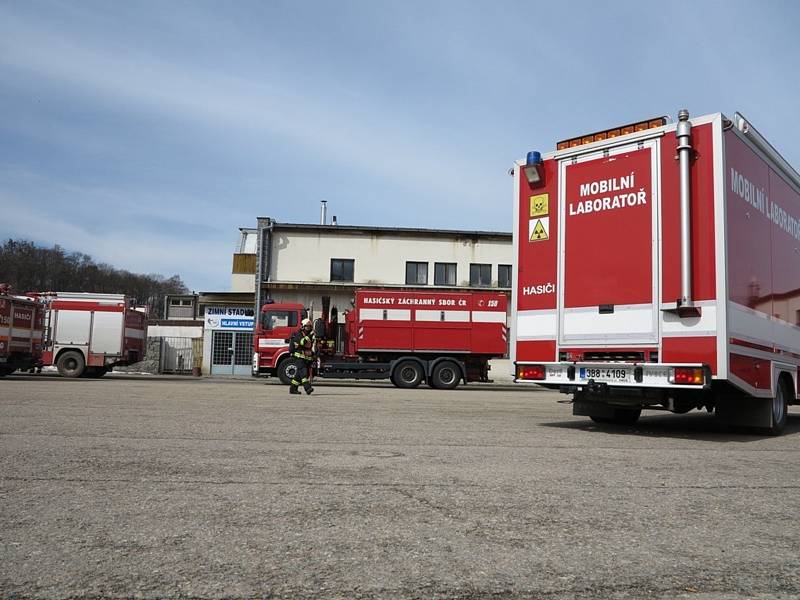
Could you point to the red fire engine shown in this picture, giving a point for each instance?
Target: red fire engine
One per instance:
(20, 332)
(88, 334)
(657, 266)
(407, 337)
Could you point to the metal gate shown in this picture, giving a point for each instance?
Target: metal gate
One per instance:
(177, 355)
(231, 353)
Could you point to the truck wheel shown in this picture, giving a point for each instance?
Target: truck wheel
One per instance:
(5, 371)
(286, 370)
(621, 416)
(446, 375)
(780, 410)
(71, 364)
(407, 374)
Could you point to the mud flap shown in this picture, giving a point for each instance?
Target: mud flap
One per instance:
(745, 412)
(592, 409)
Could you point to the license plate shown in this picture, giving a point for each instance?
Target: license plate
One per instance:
(604, 374)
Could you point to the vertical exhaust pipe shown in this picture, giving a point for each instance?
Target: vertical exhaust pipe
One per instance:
(323, 212)
(684, 134)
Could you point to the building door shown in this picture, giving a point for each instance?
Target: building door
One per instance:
(231, 352)
(242, 353)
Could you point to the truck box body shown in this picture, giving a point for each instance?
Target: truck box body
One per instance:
(602, 269)
(101, 328)
(386, 329)
(388, 321)
(20, 333)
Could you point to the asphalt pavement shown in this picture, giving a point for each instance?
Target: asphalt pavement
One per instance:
(150, 487)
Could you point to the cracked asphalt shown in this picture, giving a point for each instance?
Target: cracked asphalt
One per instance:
(137, 487)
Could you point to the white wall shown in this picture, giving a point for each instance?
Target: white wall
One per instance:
(379, 258)
(175, 331)
(243, 282)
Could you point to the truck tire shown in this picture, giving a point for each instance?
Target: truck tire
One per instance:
(446, 375)
(286, 370)
(780, 410)
(71, 364)
(407, 374)
(5, 371)
(621, 416)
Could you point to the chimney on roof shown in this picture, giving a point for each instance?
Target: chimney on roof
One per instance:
(323, 212)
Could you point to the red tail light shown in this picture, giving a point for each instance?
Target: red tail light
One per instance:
(532, 372)
(687, 376)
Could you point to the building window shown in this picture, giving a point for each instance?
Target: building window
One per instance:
(480, 275)
(444, 274)
(416, 273)
(342, 269)
(178, 302)
(504, 276)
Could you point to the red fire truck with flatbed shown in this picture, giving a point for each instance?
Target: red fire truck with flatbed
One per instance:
(657, 266)
(442, 338)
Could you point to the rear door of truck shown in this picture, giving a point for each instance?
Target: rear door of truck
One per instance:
(609, 251)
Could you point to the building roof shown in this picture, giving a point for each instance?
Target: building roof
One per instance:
(505, 235)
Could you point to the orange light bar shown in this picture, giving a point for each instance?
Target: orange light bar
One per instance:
(611, 133)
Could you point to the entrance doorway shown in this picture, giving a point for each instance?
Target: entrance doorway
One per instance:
(231, 352)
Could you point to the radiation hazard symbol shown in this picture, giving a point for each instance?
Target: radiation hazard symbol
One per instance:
(539, 229)
(540, 205)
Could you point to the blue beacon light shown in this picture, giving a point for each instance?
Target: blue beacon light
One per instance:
(533, 169)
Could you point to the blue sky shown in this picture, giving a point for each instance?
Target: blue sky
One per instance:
(146, 133)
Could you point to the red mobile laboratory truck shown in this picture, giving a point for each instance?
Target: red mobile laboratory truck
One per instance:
(408, 337)
(657, 266)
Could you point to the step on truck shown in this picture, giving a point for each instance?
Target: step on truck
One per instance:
(442, 338)
(21, 330)
(657, 266)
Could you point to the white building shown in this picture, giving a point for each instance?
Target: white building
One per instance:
(304, 262)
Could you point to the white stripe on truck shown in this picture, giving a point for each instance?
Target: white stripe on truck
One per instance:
(376, 314)
(537, 324)
(450, 316)
(488, 316)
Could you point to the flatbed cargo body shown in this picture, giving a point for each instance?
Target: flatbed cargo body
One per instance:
(639, 284)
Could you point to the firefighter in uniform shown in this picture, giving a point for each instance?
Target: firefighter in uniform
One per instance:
(301, 346)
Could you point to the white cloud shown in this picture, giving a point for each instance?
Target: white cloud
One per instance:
(325, 123)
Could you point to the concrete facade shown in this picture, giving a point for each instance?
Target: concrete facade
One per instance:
(296, 262)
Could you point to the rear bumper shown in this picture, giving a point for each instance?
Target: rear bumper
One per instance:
(578, 376)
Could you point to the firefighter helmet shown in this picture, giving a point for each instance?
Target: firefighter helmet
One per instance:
(306, 323)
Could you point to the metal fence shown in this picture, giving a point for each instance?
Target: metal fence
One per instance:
(180, 354)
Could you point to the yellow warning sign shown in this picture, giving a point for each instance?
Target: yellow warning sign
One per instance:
(539, 229)
(540, 205)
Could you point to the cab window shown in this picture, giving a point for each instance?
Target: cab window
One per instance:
(273, 319)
